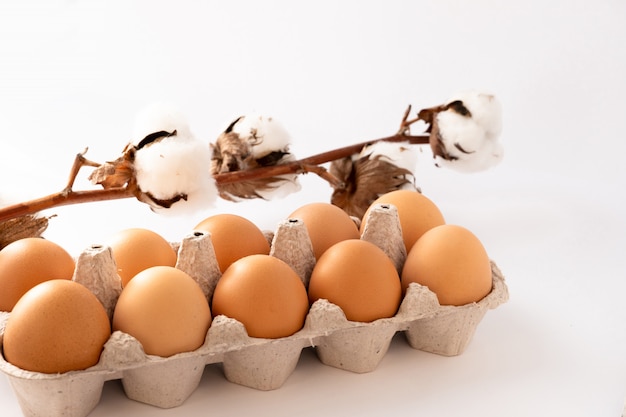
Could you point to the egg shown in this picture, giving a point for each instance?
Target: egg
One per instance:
(165, 310)
(136, 249)
(416, 212)
(233, 237)
(359, 277)
(326, 225)
(263, 293)
(28, 262)
(57, 326)
(452, 262)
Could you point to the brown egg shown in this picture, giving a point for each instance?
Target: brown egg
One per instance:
(57, 326)
(28, 262)
(326, 224)
(452, 263)
(416, 212)
(233, 237)
(357, 276)
(136, 249)
(263, 293)
(165, 310)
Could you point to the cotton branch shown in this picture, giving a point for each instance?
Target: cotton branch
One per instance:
(310, 164)
(62, 198)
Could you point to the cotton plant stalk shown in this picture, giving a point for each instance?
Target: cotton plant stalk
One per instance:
(166, 167)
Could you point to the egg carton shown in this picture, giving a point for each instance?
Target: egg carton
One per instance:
(262, 364)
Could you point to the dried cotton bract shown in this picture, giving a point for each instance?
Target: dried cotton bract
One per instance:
(165, 165)
(253, 141)
(30, 225)
(379, 168)
(464, 133)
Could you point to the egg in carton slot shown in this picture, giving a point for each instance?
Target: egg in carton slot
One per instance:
(258, 363)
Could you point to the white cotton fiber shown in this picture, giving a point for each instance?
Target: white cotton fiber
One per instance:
(485, 109)
(159, 116)
(264, 134)
(399, 154)
(174, 165)
(471, 141)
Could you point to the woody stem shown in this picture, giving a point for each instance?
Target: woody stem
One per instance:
(62, 198)
(295, 167)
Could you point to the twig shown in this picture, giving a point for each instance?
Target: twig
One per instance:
(62, 198)
(68, 197)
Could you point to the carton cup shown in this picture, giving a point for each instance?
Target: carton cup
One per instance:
(451, 328)
(263, 366)
(164, 383)
(76, 394)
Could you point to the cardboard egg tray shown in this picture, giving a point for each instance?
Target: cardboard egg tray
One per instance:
(263, 364)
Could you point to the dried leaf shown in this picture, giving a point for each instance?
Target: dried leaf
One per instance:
(365, 180)
(230, 154)
(22, 227)
(428, 115)
(118, 173)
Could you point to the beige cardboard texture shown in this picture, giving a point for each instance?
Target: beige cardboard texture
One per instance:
(263, 364)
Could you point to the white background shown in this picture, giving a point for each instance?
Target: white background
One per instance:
(75, 73)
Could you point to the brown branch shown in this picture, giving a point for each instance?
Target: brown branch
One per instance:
(68, 197)
(62, 198)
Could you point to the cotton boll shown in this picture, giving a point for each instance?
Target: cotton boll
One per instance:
(466, 131)
(253, 141)
(401, 155)
(172, 167)
(487, 157)
(159, 116)
(460, 134)
(264, 134)
(485, 110)
(177, 166)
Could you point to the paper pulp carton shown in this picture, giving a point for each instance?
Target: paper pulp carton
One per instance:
(263, 364)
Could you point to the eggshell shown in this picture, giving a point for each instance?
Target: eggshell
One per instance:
(57, 326)
(165, 309)
(28, 262)
(326, 224)
(417, 214)
(452, 262)
(359, 277)
(136, 249)
(233, 238)
(263, 293)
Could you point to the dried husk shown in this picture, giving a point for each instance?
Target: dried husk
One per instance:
(364, 180)
(231, 153)
(116, 173)
(31, 225)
